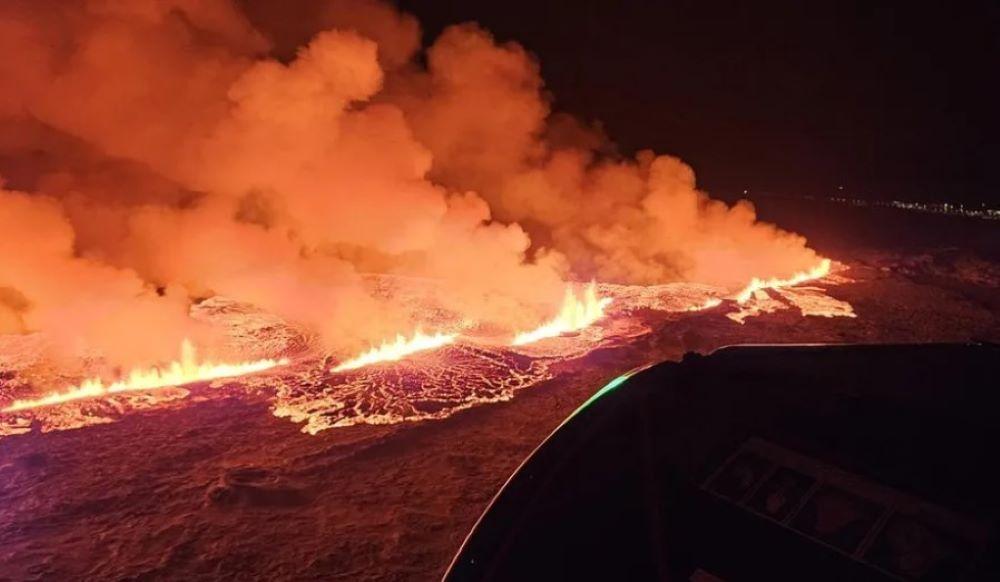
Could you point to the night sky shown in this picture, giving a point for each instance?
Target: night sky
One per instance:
(889, 99)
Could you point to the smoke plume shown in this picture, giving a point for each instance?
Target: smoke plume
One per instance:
(157, 152)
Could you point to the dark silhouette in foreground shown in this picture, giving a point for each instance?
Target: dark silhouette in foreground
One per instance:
(763, 463)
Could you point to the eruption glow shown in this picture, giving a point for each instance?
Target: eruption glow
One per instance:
(707, 304)
(309, 182)
(575, 315)
(818, 272)
(397, 350)
(185, 371)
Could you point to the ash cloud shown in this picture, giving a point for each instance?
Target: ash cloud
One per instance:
(156, 152)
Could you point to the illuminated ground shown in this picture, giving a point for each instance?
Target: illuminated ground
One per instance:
(213, 483)
(299, 383)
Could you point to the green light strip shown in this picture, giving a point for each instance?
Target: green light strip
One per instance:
(605, 389)
(616, 382)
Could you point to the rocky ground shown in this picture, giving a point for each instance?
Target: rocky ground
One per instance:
(221, 488)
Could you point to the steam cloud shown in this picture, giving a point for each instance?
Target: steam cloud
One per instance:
(155, 152)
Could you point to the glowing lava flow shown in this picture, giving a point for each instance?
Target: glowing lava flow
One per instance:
(819, 271)
(397, 350)
(575, 315)
(178, 373)
(707, 304)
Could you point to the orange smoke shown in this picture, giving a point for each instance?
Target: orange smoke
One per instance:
(184, 371)
(274, 163)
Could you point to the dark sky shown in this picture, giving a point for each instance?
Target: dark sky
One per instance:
(889, 98)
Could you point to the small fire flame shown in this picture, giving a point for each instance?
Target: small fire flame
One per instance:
(397, 350)
(819, 271)
(707, 304)
(575, 315)
(185, 371)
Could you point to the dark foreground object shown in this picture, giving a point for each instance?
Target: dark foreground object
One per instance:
(763, 463)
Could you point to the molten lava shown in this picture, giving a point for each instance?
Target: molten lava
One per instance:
(184, 371)
(818, 272)
(707, 304)
(397, 350)
(576, 314)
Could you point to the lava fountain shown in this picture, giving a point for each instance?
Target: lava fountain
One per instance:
(818, 272)
(397, 349)
(178, 373)
(575, 314)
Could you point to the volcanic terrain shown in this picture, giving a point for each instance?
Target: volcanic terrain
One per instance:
(378, 473)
